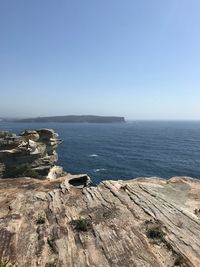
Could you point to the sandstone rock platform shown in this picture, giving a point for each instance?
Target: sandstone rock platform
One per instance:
(64, 222)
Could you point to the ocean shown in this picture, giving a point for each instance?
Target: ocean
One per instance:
(125, 150)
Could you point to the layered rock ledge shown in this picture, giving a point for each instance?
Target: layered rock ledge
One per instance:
(32, 153)
(65, 222)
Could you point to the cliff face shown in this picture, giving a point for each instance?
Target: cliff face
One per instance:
(64, 222)
(32, 153)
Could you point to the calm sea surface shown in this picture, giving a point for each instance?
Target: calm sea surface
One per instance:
(123, 151)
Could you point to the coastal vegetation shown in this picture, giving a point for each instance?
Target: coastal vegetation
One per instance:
(23, 170)
(5, 263)
(155, 233)
(81, 224)
(41, 220)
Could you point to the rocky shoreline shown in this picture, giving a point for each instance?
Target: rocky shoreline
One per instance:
(31, 153)
(66, 221)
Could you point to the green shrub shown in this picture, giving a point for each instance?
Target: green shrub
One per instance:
(40, 220)
(23, 170)
(26, 171)
(179, 261)
(81, 224)
(4, 263)
(155, 233)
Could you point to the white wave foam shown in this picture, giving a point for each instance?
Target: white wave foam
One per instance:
(93, 155)
(99, 170)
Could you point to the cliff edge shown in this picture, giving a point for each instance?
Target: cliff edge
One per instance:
(31, 153)
(66, 222)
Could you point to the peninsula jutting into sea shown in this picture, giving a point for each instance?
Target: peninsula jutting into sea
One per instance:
(72, 119)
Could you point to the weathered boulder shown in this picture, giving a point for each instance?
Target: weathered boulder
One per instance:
(55, 172)
(31, 154)
(30, 135)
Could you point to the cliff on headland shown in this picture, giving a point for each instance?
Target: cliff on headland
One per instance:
(63, 222)
(68, 222)
(32, 153)
(74, 119)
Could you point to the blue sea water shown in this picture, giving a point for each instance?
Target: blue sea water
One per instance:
(125, 150)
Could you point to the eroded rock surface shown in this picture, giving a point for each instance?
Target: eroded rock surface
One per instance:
(32, 153)
(141, 222)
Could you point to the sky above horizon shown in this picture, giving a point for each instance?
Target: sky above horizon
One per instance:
(134, 58)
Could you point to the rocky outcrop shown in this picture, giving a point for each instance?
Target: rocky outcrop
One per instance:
(64, 222)
(32, 153)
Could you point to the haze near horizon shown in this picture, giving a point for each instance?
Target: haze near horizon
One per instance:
(137, 59)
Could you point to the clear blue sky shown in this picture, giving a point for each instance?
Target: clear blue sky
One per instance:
(135, 58)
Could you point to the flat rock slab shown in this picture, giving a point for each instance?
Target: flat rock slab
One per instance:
(141, 222)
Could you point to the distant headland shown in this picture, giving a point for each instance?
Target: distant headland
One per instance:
(72, 119)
